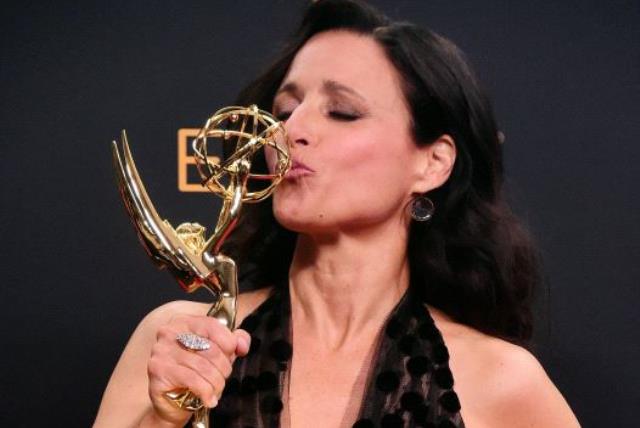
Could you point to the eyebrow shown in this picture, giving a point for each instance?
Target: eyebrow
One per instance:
(328, 86)
(289, 88)
(331, 86)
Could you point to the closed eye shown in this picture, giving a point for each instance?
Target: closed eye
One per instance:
(343, 116)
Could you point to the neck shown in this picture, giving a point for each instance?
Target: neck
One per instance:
(345, 286)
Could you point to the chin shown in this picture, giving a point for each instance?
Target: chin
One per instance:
(298, 219)
(290, 221)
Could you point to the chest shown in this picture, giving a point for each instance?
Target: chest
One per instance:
(325, 391)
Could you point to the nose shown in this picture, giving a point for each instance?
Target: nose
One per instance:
(299, 127)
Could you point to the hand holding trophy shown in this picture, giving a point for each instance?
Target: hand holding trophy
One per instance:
(190, 257)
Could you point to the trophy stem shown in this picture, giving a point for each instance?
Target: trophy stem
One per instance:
(224, 308)
(230, 209)
(201, 418)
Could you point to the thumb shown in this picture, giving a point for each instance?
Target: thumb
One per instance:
(243, 342)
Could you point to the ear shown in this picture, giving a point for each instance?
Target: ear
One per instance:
(436, 162)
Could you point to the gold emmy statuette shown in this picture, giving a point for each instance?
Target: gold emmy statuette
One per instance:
(185, 252)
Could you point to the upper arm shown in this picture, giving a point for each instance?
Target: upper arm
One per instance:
(523, 394)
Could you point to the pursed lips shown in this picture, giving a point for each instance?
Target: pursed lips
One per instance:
(298, 169)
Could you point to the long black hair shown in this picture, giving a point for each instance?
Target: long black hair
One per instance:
(473, 259)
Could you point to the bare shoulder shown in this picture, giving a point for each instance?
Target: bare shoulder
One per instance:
(500, 383)
(249, 302)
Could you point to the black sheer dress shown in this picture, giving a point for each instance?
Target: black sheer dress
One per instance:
(409, 385)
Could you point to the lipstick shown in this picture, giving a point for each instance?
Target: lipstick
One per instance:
(298, 170)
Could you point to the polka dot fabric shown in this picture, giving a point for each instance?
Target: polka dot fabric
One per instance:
(410, 384)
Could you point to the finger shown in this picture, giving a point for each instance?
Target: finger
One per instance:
(167, 344)
(204, 369)
(243, 342)
(210, 328)
(167, 376)
(205, 361)
(166, 332)
(201, 361)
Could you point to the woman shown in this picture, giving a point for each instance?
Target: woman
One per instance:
(389, 263)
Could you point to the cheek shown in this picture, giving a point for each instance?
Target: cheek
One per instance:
(372, 159)
(362, 177)
(377, 171)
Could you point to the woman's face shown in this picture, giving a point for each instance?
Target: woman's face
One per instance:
(355, 163)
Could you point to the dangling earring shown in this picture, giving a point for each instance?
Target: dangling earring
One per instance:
(422, 208)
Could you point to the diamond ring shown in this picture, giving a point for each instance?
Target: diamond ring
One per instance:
(193, 342)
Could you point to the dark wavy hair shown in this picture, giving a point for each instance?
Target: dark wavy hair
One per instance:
(473, 260)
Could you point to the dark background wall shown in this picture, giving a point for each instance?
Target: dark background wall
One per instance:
(565, 79)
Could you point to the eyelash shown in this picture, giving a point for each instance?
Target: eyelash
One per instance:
(343, 117)
(334, 114)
